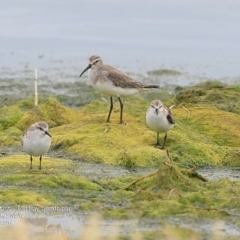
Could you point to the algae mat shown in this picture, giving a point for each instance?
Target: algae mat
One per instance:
(205, 135)
(169, 192)
(208, 136)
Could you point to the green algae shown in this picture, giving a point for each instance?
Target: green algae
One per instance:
(51, 111)
(56, 175)
(213, 93)
(202, 202)
(195, 141)
(11, 114)
(16, 196)
(170, 192)
(205, 135)
(152, 193)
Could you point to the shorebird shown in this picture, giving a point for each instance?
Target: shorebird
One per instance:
(36, 141)
(110, 81)
(159, 119)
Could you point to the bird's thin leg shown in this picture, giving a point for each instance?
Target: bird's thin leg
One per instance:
(164, 140)
(30, 162)
(110, 110)
(40, 164)
(121, 105)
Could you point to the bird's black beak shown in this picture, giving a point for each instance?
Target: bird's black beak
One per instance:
(157, 110)
(47, 133)
(89, 66)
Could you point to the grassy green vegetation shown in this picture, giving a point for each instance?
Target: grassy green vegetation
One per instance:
(207, 133)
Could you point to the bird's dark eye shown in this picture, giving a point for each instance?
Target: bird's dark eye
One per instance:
(152, 106)
(40, 128)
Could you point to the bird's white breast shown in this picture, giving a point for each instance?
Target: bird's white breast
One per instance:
(158, 123)
(36, 144)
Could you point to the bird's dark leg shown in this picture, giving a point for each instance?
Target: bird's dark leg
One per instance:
(164, 140)
(40, 164)
(30, 162)
(121, 105)
(110, 110)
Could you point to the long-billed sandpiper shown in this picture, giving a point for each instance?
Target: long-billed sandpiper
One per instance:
(159, 119)
(110, 81)
(36, 141)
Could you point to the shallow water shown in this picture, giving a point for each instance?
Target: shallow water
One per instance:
(214, 174)
(197, 36)
(73, 225)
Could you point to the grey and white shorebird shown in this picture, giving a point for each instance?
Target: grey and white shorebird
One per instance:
(110, 81)
(159, 119)
(36, 141)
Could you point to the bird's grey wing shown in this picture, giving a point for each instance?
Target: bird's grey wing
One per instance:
(120, 79)
(170, 117)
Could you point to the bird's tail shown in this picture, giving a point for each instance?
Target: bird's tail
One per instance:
(152, 86)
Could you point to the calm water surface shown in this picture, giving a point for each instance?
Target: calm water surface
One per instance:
(198, 38)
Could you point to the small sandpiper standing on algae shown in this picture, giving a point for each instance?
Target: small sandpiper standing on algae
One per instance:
(159, 119)
(36, 141)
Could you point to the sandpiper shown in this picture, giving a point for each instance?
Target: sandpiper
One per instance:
(36, 141)
(159, 119)
(110, 81)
